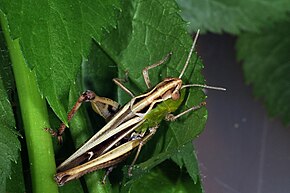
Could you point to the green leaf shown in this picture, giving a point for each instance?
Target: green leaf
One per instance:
(186, 157)
(98, 72)
(166, 178)
(232, 16)
(15, 184)
(54, 36)
(9, 144)
(5, 66)
(267, 65)
(72, 187)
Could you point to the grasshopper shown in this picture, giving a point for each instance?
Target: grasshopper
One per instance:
(128, 128)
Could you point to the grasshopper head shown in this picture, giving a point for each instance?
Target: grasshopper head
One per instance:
(171, 88)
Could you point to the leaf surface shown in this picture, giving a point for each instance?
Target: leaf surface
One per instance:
(55, 36)
(166, 178)
(232, 16)
(56, 41)
(267, 65)
(9, 144)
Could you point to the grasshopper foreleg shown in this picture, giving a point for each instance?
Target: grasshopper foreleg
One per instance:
(119, 82)
(145, 70)
(171, 117)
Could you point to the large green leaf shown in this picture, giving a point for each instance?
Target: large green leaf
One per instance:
(16, 176)
(165, 179)
(9, 144)
(232, 16)
(54, 36)
(267, 66)
(186, 157)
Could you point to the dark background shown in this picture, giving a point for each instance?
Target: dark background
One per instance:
(241, 150)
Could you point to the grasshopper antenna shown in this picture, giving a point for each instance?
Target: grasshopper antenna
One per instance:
(190, 53)
(186, 64)
(203, 86)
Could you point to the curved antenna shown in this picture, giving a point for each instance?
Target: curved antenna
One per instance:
(190, 53)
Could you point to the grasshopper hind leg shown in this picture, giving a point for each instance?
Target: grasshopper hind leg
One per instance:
(101, 105)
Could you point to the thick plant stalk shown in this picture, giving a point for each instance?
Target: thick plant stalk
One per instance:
(35, 119)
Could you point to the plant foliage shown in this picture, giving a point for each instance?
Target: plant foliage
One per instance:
(55, 38)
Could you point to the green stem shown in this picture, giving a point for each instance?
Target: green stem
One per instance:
(35, 118)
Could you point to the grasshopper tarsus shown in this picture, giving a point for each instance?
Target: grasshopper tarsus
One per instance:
(130, 171)
(59, 139)
(55, 134)
(51, 132)
(60, 132)
(108, 171)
